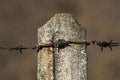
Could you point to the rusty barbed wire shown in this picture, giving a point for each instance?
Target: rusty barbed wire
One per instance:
(61, 44)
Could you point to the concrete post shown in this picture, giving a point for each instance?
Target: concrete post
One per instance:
(69, 63)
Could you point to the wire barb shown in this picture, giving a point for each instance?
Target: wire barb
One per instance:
(61, 44)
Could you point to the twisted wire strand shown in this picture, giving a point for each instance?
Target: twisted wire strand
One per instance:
(60, 44)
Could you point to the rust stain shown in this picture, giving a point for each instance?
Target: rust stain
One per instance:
(81, 45)
(50, 50)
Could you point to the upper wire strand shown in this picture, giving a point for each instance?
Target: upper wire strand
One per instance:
(61, 44)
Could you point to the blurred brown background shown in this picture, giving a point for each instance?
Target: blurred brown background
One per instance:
(19, 20)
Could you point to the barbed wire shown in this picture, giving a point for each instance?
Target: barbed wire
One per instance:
(61, 44)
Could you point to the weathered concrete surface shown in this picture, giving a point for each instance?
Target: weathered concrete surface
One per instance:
(69, 63)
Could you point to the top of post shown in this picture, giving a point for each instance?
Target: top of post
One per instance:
(64, 24)
(63, 15)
